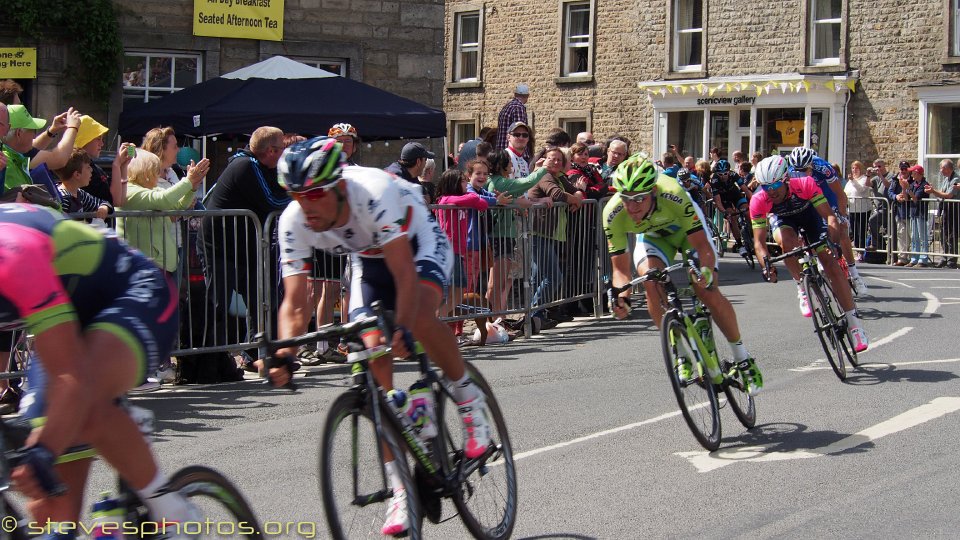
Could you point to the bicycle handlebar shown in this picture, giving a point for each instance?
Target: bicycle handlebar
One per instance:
(796, 252)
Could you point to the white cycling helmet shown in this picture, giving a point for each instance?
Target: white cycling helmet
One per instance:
(801, 157)
(771, 170)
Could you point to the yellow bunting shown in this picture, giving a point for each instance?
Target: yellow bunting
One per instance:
(852, 85)
(830, 85)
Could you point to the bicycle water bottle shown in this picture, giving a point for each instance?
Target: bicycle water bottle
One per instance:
(420, 409)
(701, 321)
(108, 517)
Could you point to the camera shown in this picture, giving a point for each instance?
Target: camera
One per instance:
(872, 170)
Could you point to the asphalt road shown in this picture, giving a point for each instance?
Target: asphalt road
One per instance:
(601, 452)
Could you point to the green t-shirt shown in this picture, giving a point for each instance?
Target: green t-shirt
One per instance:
(674, 217)
(503, 218)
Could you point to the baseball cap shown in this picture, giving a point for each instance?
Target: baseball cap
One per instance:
(522, 89)
(904, 165)
(21, 119)
(916, 168)
(89, 130)
(414, 151)
(517, 124)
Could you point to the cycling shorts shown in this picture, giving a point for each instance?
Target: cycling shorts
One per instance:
(371, 280)
(148, 328)
(809, 223)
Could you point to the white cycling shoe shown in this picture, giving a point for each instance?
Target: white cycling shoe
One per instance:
(860, 341)
(859, 286)
(398, 520)
(804, 304)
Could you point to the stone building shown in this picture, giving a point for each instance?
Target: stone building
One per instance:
(855, 80)
(395, 46)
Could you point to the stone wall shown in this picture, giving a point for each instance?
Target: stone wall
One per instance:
(892, 43)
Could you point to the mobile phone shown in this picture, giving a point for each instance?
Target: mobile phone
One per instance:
(132, 151)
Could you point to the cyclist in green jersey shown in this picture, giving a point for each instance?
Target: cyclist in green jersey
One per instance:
(666, 221)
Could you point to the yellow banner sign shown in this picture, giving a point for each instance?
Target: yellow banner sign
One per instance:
(245, 19)
(18, 63)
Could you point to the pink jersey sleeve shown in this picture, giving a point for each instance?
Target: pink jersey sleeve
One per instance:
(760, 204)
(28, 278)
(806, 188)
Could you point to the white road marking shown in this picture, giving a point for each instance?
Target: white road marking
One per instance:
(894, 364)
(706, 461)
(930, 279)
(945, 287)
(821, 363)
(891, 281)
(933, 303)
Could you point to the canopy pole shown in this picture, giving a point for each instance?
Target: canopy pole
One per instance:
(444, 154)
(204, 153)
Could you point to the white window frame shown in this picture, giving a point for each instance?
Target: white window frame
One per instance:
(928, 97)
(954, 7)
(815, 26)
(455, 126)
(572, 42)
(324, 63)
(678, 32)
(150, 91)
(462, 48)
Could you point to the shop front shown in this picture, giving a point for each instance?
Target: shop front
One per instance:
(766, 114)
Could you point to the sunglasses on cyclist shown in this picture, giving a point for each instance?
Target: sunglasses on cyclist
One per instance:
(635, 197)
(771, 187)
(311, 195)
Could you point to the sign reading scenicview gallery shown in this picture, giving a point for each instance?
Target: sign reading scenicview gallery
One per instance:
(18, 63)
(245, 19)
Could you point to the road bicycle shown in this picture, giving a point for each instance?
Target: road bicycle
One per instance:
(714, 225)
(686, 336)
(362, 424)
(225, 511)
(746, 237)
(829, 321)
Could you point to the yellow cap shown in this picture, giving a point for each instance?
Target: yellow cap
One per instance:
(89, 130)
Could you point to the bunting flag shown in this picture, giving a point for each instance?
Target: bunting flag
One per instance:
(806, 85)
(744, 86)
(683, 89)
(701, 88)
(852, 85)
(759, 89)
(830, 85)
(728, 87)
(783, 87)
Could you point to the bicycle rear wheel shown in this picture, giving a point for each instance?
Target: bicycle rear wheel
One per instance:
(742, 403)
(825, 324)
(227, 514)
(353, 479)
(486, 497)
(697, 397)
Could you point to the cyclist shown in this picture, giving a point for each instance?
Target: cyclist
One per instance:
(730, 194)
(404, 260)
(803, 162)
(102, 316)
(667, 220)
(796, 204)
(692, 184)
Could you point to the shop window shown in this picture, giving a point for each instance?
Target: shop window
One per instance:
(148, 76)
(687, 38)
(466, 59)
(462, 131)
(685, 129)
(943, 136)
(782, 130)
(826, 21)
(577, 39)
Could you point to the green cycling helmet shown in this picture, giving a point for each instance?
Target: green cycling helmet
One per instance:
(636, 175)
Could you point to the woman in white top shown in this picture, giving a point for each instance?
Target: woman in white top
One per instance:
(858, 191)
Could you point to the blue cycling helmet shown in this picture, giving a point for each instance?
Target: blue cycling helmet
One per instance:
(316, 162)
(721, 166)
(801, 157)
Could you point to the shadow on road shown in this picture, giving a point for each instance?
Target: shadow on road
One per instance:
(559, 536)
(871, 374)
(786, 437)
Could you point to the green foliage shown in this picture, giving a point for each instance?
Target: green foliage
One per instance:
(90, 26)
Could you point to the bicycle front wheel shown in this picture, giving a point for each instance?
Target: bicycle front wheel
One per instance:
(842, 329)
(696, 396)
(486, 495)
(825, 324)
(353, 479)
(226, 513)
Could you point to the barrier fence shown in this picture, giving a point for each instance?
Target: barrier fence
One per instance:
(511, 261)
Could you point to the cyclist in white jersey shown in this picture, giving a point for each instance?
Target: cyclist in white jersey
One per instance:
(404, 260)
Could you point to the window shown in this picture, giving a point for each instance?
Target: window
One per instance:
(463, 131)
(825, 31)
(337, 66)
(685, 129)
(954, 27)
(466, 60)
(688, 35)
(943, 136)
(577, 39)
(574, 126)
(148, 76)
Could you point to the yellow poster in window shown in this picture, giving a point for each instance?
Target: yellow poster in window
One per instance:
(244, 19)
(18, 63)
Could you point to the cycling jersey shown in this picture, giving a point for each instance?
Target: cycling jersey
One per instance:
(665, 229)
(729, 191)
(797, 211)
(382, 208)
(55, 271)
(822, 171)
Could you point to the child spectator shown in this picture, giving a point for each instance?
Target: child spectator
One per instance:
(76, 174)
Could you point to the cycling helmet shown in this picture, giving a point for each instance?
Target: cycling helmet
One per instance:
(343, 129)
(721, 166)
(635, 174)
(801, 157)
(683, 175)
(309, 164)
(771, 170)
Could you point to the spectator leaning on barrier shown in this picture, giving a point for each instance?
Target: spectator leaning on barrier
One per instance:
(897, 196)
(858, 192)
(109, 188)
(919, 224)
(518, 144)
(880, 178)
(618, 149)
(74, 176)
(249, 182)
(948, 211)
(156, 236)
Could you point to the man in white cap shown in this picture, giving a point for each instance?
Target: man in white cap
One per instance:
(514, 111)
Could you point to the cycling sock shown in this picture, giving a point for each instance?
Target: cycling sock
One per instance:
(393, 475)
(161, 503)
(151, 489)
(464, 390)
(853, 270)
(852, 318)
(739, 351)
